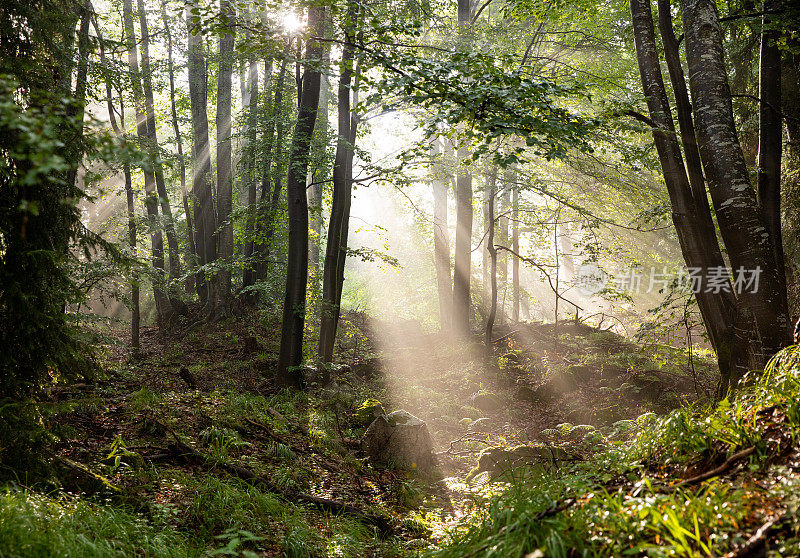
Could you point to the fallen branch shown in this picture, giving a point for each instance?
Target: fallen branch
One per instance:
(730, 462)
(180, 450)
(757, 540)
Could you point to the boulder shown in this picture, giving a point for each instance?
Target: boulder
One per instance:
(367, 412)
(487, 402)
(400, 439)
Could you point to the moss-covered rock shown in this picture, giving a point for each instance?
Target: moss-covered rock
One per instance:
(367, 412)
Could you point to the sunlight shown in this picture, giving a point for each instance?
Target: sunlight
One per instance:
(291, 22)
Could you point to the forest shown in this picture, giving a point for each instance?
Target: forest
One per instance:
(447, 279)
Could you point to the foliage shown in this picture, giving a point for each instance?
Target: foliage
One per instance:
(620, 502)
(33, 525)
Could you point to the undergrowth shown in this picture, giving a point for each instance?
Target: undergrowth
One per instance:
(628, 500)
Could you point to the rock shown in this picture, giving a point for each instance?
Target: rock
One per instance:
(498, 461)
(554, 385)
(525, 393)
(487, 402)
(367, 412)
(400, 439)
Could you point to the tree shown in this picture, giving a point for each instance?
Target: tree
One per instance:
(515, 248)
(178, 136)
(42, 144)
(204, 217)
(155, 153)
(163, 306)
(770, 132)
(251, 104)
(747, 239)
(727, 317)
(441, 241)
(463, 249)
(291, 350)
(338, 225)
(224, 158)
(491, 189)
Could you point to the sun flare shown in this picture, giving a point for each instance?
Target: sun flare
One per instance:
(291, 22)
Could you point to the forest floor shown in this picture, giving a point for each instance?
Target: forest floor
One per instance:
(200, 454)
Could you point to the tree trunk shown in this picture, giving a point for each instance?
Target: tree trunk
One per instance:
(746, 237)
(291, 349)
(119, 131)
(790, 86)
(248, 276)
(515, 248)
(491, 188)
(504, 206)
(318, 177)
(225, 163)
(338, 225)
(271, 180)
(154, 150)
(463, 248)
(441, 241)
(204, 217)
(770, 131)
(178, 136)
(163, 309)
(691, 222)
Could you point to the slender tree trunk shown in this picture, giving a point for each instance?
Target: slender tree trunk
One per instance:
(515, 248)
(225, 162)
(491, 189)
(119, 131)
(504, 205)
(441, 241)
(248, 277)
(163, 309)
(790, 86)
(154, 149)
(204, 217)
(291, 349)
(463, 247)
(746, 237)
(683, 106)
(485, 249)
(76, 111)
(318, 177)
(338, 224)
(770, 132)
(178, 136)
(271, 181)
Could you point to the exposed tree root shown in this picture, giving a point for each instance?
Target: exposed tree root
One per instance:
(730, 462)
